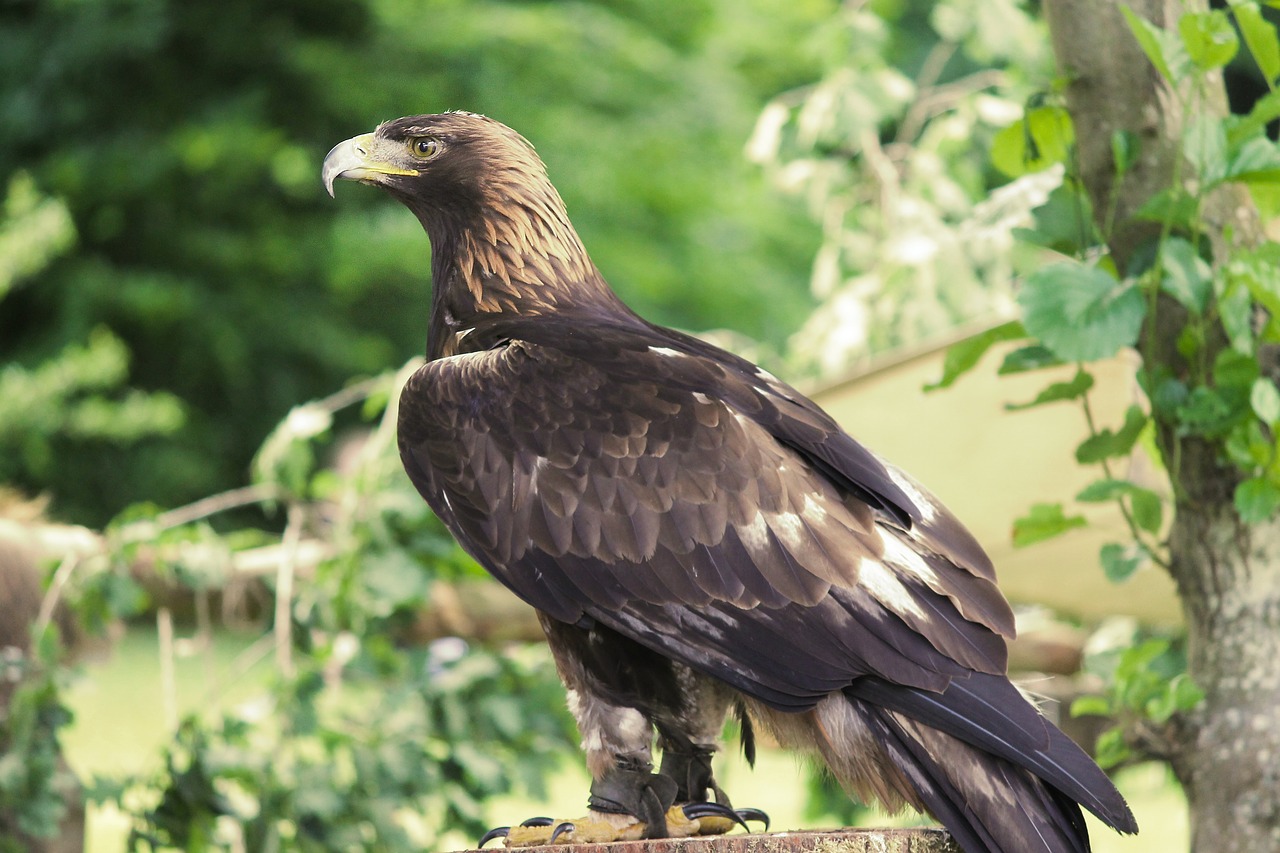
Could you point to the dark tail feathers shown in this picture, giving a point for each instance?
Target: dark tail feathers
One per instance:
(985, 762)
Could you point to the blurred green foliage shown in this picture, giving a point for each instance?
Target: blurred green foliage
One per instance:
(389, 760)
(183, 140)
(891, 150)
(33, 779)
(76, 393)
(366, 735)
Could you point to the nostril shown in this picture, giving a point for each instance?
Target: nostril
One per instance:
(360, 150)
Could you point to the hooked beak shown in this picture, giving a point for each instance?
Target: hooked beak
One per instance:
(350, 161)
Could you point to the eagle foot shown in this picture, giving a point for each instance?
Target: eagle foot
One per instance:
(682, 821)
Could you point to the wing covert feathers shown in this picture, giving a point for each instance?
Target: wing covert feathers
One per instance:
(660, 480)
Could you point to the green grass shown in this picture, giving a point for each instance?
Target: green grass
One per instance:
(121, 724)
(120, 711)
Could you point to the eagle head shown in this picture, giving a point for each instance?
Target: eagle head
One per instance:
(456, 159)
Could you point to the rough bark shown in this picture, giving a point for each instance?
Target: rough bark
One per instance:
(1227, 754)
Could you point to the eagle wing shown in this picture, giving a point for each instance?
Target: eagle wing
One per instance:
(697, 505)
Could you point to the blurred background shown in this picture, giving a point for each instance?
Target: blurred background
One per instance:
(261, 637)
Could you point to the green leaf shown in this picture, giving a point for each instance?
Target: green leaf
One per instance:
(1058, 391)
(1064, 223)
(1190, 341)
(1179, 695)
(964, 356)
(1187, 277)
(1205, 412)
(1108, 444)
(1256, 162)
(1233, 369)
(1119, 562)
(1111, 748)
(1038, 140)
(1144, 504)
(1173, 206)
(1266, 197)
(1260, 38)
(1030, 357)
(287, 458)
(1235, 309)
(1044, 521)
(1186, 693)
(1148, 512)
(1125, 149)
(1264, 399)
(1259, 272)
(1204, 141)
(1247, 445)
(1103, 490)
(1209, 38)
(1265, 110)
(1165, 50)
(1257, 500)
(1090, 706)
(1080, 312)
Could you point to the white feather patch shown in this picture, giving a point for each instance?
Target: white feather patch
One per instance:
(790, 530)
(755, 536)
(881, 583)
(902, 556)
(924, 502)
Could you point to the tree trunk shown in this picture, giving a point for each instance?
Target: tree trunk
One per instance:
(1226, 754)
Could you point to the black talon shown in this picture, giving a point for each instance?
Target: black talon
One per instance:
(496, 832)
(537, 821)
(693, 811)
(559, 830)
(756, 815)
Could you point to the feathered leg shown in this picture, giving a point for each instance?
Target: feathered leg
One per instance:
(618, 696)
(690, 736)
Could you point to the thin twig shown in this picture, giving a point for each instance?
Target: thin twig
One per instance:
(348, 396)
(50, 601)
(214, 504)
(239, 668)
(168, 681)
(938, 99)
(284, 589)
(887, 176)
(930, 71)
(204, 632)
(1125, 511)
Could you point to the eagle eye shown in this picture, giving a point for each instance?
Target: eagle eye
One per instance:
(424, 147)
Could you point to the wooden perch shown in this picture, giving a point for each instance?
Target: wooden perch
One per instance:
(916, 840)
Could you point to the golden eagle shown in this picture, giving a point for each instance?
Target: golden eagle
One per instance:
(698, 538)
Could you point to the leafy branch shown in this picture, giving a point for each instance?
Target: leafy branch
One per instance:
(1207, 384)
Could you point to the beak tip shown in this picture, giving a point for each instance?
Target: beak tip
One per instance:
(340, 159)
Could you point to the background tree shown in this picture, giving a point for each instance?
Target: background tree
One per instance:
(182, 140)
(1208, 341)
